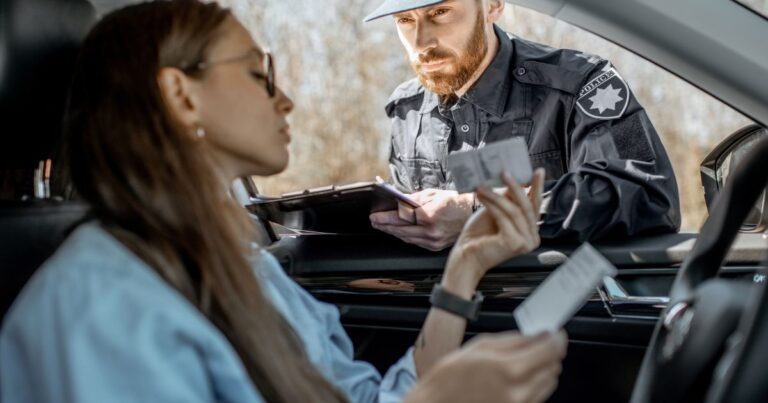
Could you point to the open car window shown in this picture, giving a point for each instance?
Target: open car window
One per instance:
(340, 72)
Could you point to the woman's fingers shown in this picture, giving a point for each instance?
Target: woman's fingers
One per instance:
(518, 208)
(515, 214)
(537, 187)
(561, 340)
(540, 354)
(510, 212)
(495, 367)
(516, 194)
(530, 389)
(504, 222)
(545, 388)
(532, 363)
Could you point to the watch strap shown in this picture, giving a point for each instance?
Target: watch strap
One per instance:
(452, 303)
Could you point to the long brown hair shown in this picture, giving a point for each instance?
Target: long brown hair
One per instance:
(154, 187)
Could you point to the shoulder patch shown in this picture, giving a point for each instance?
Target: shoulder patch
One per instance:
(604, 97)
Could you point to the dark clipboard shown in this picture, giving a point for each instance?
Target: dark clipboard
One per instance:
(333, 209)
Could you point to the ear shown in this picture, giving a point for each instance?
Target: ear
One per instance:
(495, 10)
(179, 94)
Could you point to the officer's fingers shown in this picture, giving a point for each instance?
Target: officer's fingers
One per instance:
(422, 217)
(424, 196)
(387, 218)
(537, 187)
(426, 243)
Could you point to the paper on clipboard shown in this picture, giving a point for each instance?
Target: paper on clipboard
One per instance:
(343, 209)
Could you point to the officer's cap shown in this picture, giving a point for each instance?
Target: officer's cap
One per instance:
(390, 7)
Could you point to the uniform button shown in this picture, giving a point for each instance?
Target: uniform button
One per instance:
(465, 128)
(521, 71)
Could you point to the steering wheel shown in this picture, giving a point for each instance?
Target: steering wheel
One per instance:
(712, 338)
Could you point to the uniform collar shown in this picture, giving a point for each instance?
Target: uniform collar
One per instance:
(486, 93)
(490, 91)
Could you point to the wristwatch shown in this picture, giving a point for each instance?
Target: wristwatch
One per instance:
(452, 303)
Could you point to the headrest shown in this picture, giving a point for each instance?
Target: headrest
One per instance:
(39, 40)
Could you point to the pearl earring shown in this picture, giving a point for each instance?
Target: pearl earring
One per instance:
(200, 132)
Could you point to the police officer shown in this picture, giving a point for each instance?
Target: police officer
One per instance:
(607, 171)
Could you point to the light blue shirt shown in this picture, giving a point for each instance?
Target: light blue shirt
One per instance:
(96, 324)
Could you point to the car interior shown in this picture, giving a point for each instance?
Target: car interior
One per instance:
(684, 320)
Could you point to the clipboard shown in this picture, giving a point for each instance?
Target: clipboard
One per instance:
(334, 209)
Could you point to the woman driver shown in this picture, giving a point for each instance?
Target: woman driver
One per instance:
(162, 297)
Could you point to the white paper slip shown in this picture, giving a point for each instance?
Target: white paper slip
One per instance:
(484, 166)
(563, 292)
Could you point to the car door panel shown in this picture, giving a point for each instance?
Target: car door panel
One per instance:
(608, 335)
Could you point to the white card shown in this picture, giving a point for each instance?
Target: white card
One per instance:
(563, 292)
(483, 166)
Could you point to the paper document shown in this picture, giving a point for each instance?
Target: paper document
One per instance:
(563, 292)
(484, 166)
(400, 195)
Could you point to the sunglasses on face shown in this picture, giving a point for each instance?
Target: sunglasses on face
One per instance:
(255, 58)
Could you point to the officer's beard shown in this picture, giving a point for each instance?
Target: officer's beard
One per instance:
(446, 84)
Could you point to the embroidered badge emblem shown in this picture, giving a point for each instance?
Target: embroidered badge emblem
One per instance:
(605, 97)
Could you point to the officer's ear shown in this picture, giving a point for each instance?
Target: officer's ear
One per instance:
(495, 10)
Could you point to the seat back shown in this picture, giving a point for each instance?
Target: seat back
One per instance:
(29, 233)
(39, 40)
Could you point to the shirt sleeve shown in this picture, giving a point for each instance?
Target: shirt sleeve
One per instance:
(359, 380)
(327, 344)
(105, 344)
(620, 181)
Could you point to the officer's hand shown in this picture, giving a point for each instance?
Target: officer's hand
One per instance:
(439, 220)
(506, 227)
(504, 367)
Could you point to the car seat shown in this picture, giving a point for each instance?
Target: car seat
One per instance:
(39, 40)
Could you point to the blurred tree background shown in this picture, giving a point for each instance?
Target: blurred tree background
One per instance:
(340, 72)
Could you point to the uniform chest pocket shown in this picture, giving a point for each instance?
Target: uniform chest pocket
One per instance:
(551, 161)
(498, 131)
(404, 133)
(423, 174)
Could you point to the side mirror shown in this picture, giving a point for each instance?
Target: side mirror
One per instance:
(718, 165)
(244, 190)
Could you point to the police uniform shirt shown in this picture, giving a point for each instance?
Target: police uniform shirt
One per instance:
(607, 171)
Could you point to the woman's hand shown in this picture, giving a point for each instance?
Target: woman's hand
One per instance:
(503, 367)
(506, 227)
